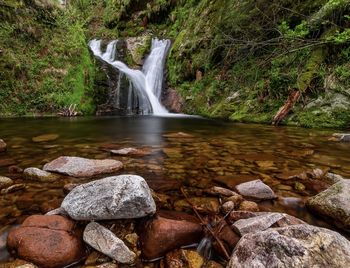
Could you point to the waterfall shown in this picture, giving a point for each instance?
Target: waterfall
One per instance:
(146, 85)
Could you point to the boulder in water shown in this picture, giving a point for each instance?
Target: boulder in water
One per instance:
(292, 246)
(47, 241)
(333, 203)
(82, 167)
(117, 197)
(104, 241)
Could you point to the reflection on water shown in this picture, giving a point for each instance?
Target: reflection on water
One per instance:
(214, 153)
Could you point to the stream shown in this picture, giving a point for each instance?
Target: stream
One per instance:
(204, 154)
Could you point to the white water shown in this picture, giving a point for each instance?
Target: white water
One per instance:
(149, 81)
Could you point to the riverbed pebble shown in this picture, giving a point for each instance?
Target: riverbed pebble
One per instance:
(36, 174)
(5, 182)
(255, 189)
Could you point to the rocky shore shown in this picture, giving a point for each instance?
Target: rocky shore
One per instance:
(116, 220)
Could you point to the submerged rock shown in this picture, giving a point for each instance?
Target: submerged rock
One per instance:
(293, 246)
(256, 190)
(82, 167)
(36, 174)
(13, 188)
(248, 206)
(103, 240)
(5, 182)
(160, 235)
(46, 137)
(131, 152)
(184, 258)
(203, 204)
(3, 146)
(333, 203)
(47, 241)
(117, 197)
(220, 191)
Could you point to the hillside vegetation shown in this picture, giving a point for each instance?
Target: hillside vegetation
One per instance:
(252, 61)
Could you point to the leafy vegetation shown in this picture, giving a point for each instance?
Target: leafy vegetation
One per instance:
(232, 59)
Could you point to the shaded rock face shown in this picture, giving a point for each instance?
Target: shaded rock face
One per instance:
(333, 203)
(117, 197)
(293, 246)
(109, 82)
(256, 190)
(82, 167)
(3, 146)
(36, 174)
(160, 235)
(47, 241)
(172, 101)
(103, 240)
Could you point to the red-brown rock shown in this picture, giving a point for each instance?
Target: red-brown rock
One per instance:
(47, 241)
(160, 235)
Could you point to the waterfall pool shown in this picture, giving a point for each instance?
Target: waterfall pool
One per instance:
(197, 152)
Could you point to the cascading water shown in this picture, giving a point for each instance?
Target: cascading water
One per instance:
(146, 85)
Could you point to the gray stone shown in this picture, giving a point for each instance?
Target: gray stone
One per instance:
(256, 189)
(256, 224)
(82, 167)
(36, 174)
(296, 246)
(117, 197)
(240, 216)
(103, 240)
(5, 182)
(228, 207)
(333, 203)
(3, 146)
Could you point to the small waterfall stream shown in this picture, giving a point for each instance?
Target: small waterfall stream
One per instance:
(145, 86)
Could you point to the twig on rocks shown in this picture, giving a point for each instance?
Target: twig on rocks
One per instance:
(213, 233)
